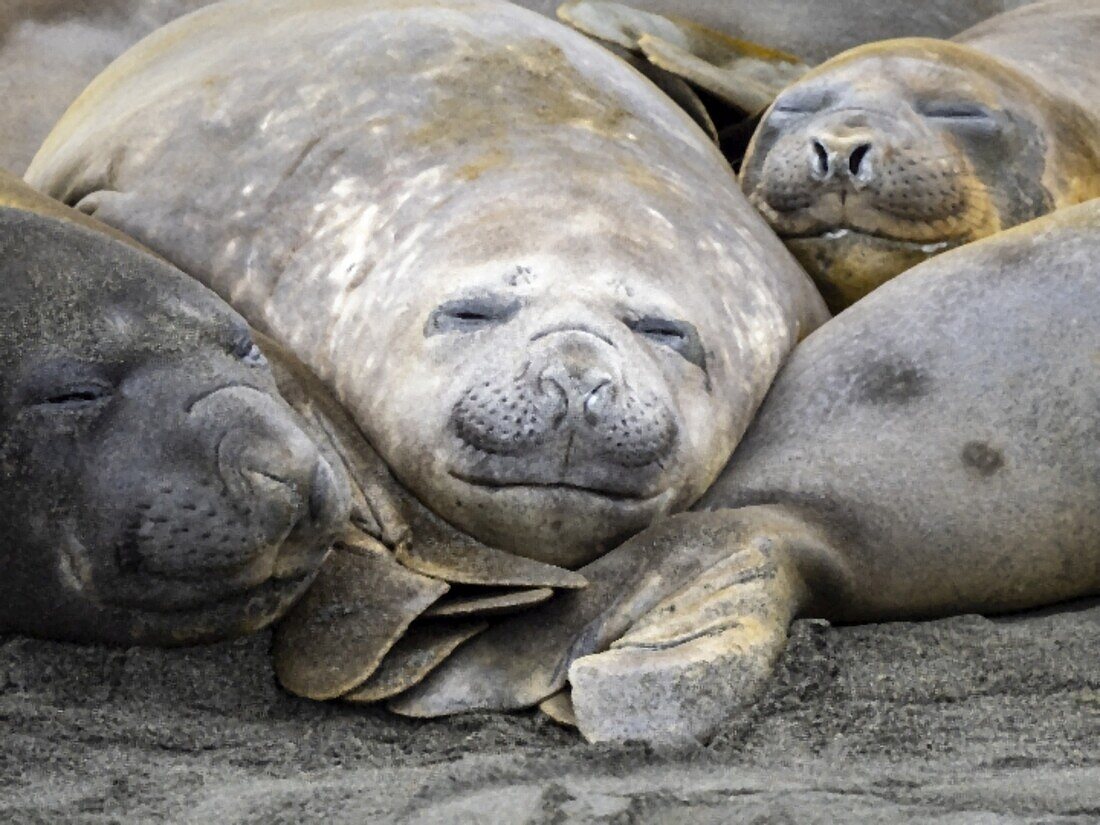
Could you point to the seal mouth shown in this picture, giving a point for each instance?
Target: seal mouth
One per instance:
(153, 594)
(273, 588)
(228, 616)
(852, 235)
(617, 495)
(191, 600)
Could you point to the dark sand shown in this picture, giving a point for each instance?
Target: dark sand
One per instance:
(968, 720)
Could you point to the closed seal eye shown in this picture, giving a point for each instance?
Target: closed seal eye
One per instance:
(679, 336)
(471, 314)
(74, 397)
(961, 114)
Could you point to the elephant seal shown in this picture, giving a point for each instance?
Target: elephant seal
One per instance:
(167, 482)
(816, 30)
(529, 277)
(897, 151)
(51, 49)
(977, 375)
(156, 489)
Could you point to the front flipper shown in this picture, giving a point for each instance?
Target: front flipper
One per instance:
(698, 657)
(361, 603)
(418, 652)
(523, 660)
(443, 553)
(742, 74)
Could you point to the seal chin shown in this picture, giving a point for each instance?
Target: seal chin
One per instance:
(847, 263)
(236, 615)
(276, 579)
(567, 523)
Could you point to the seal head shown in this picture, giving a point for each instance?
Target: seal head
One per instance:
(155, 489)
(894, 152)
(545, 405)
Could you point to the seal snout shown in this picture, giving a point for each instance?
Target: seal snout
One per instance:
(847, 157)
(272, 469)
(273, 515)
(568, 416)
(859, 166)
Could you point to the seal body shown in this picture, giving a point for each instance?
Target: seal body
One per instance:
(815, 30)
(894, 152)
(978, 376)
(155, 487)
(930, 451)
(51, 49)
(529, 277)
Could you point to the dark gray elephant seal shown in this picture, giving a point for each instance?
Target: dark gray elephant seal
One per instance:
(154, 486)
(529, 277)
(897, 151)
(931, 451)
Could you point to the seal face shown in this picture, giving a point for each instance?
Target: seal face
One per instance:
(895, 152)
(529, 277)
(155, 488)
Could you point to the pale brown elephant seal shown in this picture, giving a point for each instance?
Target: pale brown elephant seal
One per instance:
(932, 450)
(897, 151)
(530, 278)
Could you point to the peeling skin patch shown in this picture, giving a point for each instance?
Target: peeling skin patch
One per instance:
(542, 89)
(981, 458)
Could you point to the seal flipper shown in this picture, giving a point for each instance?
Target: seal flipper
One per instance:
(698, 657)
(440, 551)
(742, 74)
(523, 660)
(361, 603)
(419, 651)
(559, 708)
(489, 603)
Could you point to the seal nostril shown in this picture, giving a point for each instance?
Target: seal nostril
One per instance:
(596, 401)
(821, 158)
(322, 487)
(855, 160)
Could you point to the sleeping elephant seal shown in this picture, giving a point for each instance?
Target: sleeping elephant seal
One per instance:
(897, 151)
(815, 30)
(530, 278)
(931, 451)
(51, 49)
(155, 488)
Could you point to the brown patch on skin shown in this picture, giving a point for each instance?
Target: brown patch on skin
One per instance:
(642, 176)
(490, 160)
(543, 90)
(981, 458)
